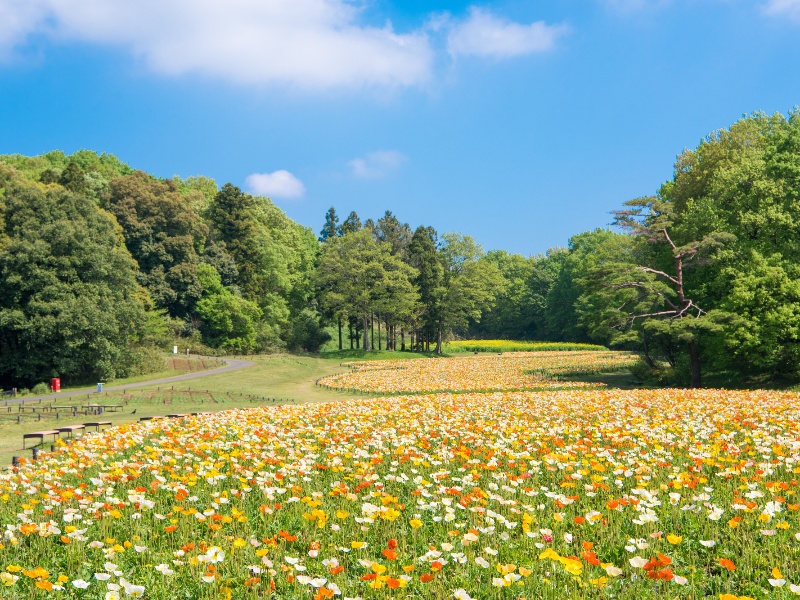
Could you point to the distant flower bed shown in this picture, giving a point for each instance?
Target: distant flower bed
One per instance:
(511, 371)
(514, 346)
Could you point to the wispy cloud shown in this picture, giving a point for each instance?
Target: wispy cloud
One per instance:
(783, 8)
(278, 184)
(376, 165)
(303, 43)
(486, 35)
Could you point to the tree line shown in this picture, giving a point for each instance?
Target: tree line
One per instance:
(101, 263)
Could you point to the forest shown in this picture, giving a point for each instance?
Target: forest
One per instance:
(103, 266)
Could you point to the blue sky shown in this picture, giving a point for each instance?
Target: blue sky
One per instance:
(518, 122)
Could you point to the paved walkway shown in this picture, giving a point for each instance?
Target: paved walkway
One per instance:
(232, 364)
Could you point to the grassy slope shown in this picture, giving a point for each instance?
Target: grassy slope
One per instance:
(168, 372)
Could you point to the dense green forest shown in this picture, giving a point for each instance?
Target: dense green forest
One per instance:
(101, 265)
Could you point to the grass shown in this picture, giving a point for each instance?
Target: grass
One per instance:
(361, 354)
(184, 365)
(616, 380)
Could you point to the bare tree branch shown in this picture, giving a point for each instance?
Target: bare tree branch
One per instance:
(660, 274)
(666, 235)
(648, 315)
(649, 288)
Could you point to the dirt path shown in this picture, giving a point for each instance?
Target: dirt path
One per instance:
(232, 364)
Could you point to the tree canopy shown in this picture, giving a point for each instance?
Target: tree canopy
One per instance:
(71, 305)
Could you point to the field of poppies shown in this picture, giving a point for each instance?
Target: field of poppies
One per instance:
(479, 373)
(505, 495)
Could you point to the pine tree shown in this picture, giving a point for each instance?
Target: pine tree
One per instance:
(331, 227)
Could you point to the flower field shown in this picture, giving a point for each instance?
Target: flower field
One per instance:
(561, 494)
(515, 346)
(514, 371)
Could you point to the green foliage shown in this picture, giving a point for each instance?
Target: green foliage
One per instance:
(40, 388)
(84, 172)
(307, 333)
(228, 321)
(71, 306)
(566, 312)
(147, 359)
(331, 227)
(350, 225)
(471, 282)
(357, 275)
(429, 280)
(521, 306)
(764, 303)
(163, 235)
(743, 182)
(390, 230)
(730, 216)
(274, 257)
(198, 191)
(712, 277)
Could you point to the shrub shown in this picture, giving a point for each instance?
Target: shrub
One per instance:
(40, 388)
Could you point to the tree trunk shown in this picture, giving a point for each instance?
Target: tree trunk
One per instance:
(439, 338)
(402, 340)
(648, 359)
(695, 358)
(339, 321)
(379, 335)
(367, 346)
(350, 333)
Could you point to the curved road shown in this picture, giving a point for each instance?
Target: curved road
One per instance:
(232, 364)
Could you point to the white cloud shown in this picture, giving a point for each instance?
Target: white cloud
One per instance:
(278, 184)
(376, 164)
(17, 20)
(484, 34)
(783, 8)
(305, 43)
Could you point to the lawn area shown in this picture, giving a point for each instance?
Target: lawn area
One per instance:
(175, 365)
